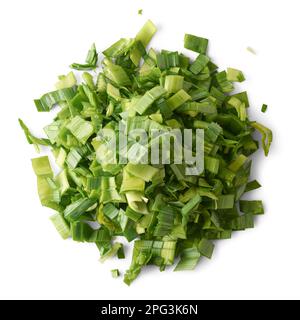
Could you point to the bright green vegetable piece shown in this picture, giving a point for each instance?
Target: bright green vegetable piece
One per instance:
(264, 108)
(235, 75)
(91, 60)
(195, 43)
(115, 273)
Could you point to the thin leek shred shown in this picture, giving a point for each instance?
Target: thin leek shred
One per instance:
(166, 213)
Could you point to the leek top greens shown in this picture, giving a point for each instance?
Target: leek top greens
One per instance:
(166, 213)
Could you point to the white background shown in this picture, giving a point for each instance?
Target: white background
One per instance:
(39, 39)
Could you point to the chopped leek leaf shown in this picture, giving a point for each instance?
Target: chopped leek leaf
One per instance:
(115, 273)
(142, 171)
(198, 65)
(173, 83)
(252, 207)
(61, 225)
(31, 138)
(178, 99)
(146, 33)
(189, 259)
(167, 213)
(41, 167)
(252, 185)
(75, 210)
(264, 108)
(48, 100)
(91, 60)
(235, 75)
(267, 136)
(206, 248)
(67, 81)
(195, 43)
(81, 129)
(149, 97)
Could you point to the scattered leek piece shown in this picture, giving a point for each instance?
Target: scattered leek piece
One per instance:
(115, 273)
(195, 43)
(264, 108)
(267, 136)
(167, 213)
(91, 60)
(251, 50)
(235, 75)
(61, 225)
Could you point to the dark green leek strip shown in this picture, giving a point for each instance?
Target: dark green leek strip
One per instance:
(252, 207)
(252, 185)
(243, 222)
(264, 108)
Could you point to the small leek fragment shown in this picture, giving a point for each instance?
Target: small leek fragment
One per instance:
(115, 273)
(264, 108)
(91, 60)
(251, 50)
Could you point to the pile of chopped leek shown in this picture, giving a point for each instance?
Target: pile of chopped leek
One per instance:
(168, 215)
